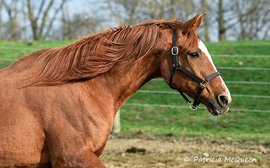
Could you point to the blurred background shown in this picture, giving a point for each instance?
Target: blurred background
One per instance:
(71, 19)
(157, 127)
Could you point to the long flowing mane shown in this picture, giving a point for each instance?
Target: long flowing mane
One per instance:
(96, 54)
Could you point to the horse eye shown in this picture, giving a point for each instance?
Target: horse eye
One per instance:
(194, 54)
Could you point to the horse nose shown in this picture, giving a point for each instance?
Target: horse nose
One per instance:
(224, 100)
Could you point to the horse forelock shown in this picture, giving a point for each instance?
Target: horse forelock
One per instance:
(97, 54)
(192, 40)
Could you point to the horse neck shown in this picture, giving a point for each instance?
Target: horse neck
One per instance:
(122, 81)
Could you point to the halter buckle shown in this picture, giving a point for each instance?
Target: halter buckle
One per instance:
(202, 85)
(174, 50)
(204, 82)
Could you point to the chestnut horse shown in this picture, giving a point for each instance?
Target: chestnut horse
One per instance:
(57, 105)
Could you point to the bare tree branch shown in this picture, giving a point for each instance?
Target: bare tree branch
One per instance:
(40, 9)
(44, 17)
(12, 30)
(54, 17)
(32, 19)
(6, 6)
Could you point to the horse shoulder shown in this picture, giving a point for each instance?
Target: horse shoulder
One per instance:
(77, 118)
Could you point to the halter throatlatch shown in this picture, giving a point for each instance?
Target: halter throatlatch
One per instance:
(176, 66)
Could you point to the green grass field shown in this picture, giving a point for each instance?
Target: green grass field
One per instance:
(243, 121)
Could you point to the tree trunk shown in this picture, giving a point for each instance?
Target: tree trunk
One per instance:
(41, 17)
(12, 12)
(64, 24)
(206, 21)
(33, 20)
(242, 35)
(14, 28)
(172, 9)
(221, 22)
(44, 19)
(1, 6)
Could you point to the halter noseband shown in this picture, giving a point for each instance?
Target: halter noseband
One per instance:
(176, 66)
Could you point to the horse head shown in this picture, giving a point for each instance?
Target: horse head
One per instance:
(188, 67)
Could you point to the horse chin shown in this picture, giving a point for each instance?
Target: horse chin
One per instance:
(215, 109)
(215, 112)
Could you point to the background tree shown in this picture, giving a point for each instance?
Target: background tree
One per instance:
(221, 22)
(1, 26)
(57, 19)
(252, 19)
(65, 28)
(41, 23)
(125, 10)
(82, 25)
(12, 28)
(205, 7)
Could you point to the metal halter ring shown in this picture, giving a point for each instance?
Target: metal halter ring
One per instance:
(174, 50)
(192, 107)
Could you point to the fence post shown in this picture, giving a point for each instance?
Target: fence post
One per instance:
(116, 123)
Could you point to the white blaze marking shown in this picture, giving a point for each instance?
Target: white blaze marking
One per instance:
(205, 50)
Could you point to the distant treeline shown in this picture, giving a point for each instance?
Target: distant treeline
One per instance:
(57, 19)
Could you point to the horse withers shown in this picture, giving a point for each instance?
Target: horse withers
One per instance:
(57, 105)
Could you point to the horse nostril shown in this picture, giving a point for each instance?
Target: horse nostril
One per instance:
(223, 100)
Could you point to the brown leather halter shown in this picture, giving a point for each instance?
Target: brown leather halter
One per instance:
(176, 66)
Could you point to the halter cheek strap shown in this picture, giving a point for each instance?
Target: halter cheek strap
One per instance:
(176, 66)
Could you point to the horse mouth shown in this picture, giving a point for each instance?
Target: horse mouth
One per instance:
(215, 111)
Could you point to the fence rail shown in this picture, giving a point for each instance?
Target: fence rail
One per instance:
(175, 93)
(244, 68)
(187, 107)
(241, 56)
(231, 82)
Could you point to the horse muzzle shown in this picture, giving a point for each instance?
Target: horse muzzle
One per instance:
(220, 106)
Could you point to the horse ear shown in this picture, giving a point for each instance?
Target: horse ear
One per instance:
(193, 23)
(200, 20)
